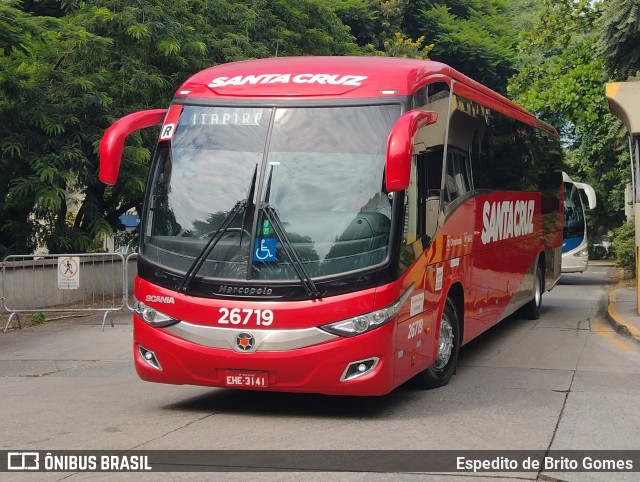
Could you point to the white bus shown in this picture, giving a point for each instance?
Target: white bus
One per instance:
(575, 254)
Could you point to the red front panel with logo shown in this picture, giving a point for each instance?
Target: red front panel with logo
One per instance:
(266, 345)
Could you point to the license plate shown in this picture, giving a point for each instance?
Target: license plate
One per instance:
(246, 379)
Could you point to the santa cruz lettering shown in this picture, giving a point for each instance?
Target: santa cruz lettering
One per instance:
(324, 79)
(506, 219)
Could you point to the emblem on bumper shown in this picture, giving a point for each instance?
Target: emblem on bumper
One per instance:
(245, 341)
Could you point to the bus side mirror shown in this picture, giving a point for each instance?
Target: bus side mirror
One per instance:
(112, 143)
(400, 147)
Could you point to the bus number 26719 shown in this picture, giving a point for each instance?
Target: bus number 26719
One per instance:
(236, 316)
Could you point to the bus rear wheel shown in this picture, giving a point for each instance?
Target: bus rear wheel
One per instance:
(443, 368)
(532, 309)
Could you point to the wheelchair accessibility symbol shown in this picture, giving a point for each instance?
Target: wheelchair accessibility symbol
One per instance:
(265, 250)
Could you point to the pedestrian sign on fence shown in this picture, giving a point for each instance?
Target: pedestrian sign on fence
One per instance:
(68, 273)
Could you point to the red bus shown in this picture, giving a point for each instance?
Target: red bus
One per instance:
(336, 225)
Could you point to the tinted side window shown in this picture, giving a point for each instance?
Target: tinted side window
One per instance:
(503, 158)
(457, 181)
(573, 213)
(549, 160)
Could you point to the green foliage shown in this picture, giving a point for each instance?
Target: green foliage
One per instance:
(33, 121)
(363, 20)
(566, 71)
(38, 318)
(619, 37)
(524, 15)
(474, 37)
(406, 48)
(624, 247)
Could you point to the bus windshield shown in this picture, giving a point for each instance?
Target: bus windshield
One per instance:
(574, 222)
(260, 192)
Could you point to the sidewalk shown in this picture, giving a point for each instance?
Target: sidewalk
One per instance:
(623, 311)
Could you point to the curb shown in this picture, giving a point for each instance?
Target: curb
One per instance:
(617, 321)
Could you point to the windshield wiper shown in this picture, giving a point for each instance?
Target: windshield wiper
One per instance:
(296, 262)
(240, 206)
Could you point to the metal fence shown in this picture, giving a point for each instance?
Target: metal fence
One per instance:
(69, 283)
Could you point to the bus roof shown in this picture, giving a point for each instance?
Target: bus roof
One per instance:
(322, 77)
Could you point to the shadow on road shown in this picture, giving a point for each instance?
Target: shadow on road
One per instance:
(583, 280)
(293, 404)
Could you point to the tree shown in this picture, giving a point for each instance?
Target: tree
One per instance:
(16, 32)
(70, 83)
(566, 87)
(474, 37)
(407, 48)
(35, 119)
(364, 20)
(524, 14)
(619, 37)
(65, 79)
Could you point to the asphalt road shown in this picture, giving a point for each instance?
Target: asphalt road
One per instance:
(564, 382)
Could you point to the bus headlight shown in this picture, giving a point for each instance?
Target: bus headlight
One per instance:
(369, 321)
(583, 253)
(152, 316)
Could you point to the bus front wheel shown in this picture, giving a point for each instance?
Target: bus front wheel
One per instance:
(442, 369)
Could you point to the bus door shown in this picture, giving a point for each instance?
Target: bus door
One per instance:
(420, 257)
